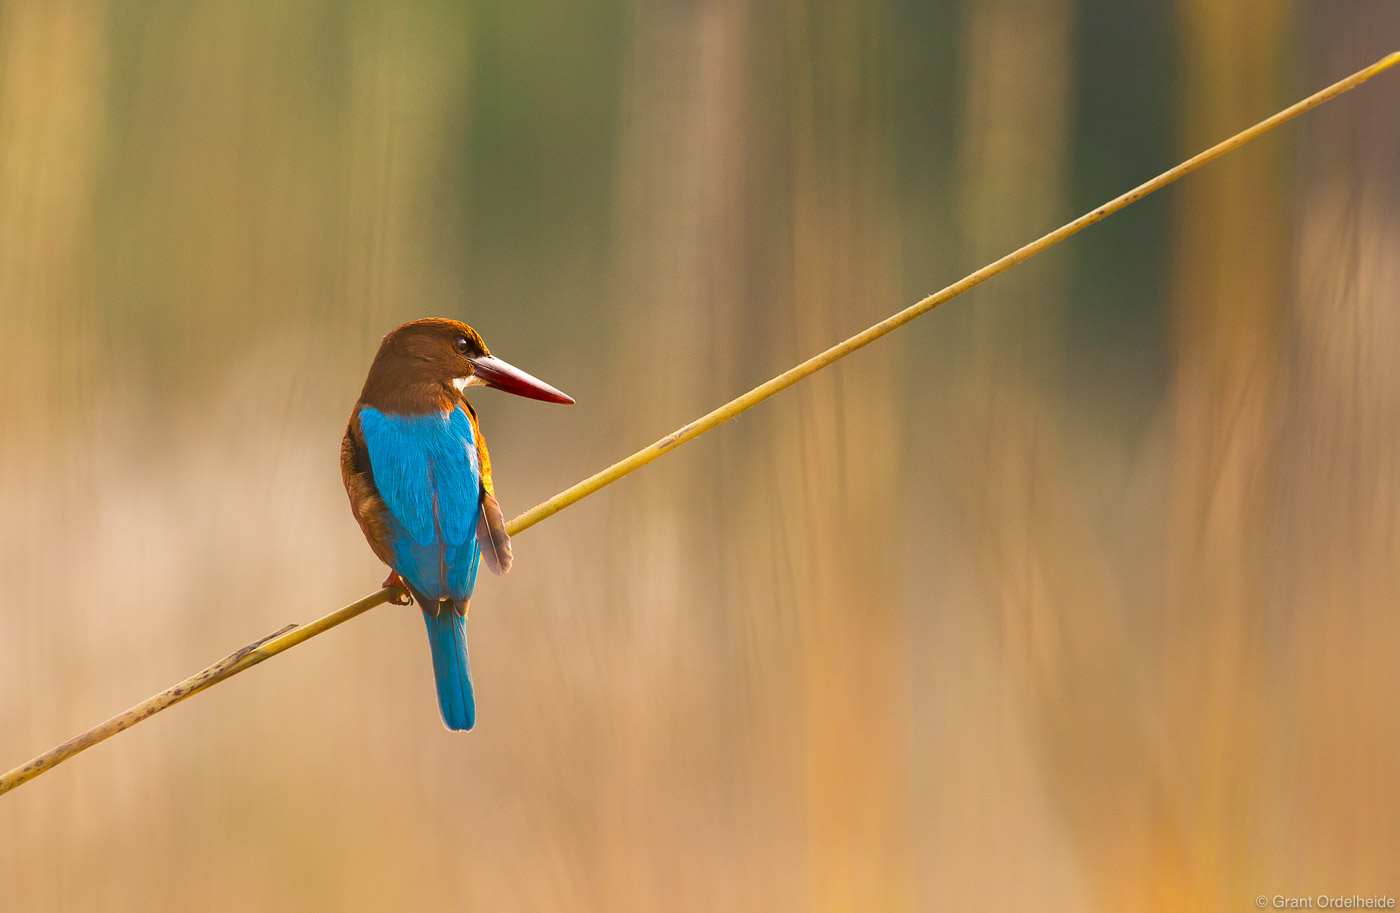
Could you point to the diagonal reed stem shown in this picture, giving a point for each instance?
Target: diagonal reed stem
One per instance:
(292, 635)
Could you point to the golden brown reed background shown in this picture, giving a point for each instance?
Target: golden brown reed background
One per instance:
(1078, 595)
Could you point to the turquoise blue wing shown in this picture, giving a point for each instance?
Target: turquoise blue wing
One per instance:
(427, 470)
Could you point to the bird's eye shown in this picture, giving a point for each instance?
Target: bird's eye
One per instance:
(461, 344)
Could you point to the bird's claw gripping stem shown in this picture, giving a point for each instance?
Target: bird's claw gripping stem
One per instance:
(394, 581)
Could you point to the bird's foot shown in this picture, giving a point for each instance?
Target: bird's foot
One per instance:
(395, 582)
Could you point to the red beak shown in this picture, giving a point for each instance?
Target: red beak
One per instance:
(503, 376)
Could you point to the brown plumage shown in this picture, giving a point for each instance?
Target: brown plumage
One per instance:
(416, 364)
(491, 535)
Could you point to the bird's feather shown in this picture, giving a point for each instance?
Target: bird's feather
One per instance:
(483, 456)
(425, 469)
(452, 671)
(491, 535)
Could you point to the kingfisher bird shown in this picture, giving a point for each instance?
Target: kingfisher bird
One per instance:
(419, 479)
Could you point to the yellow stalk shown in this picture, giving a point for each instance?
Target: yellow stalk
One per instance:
(292, 635)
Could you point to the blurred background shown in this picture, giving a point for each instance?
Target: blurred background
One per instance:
(1079, 594)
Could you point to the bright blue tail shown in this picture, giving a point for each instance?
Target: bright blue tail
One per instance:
(447, 633)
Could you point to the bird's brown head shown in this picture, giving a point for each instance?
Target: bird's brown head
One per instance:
(425, 365)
